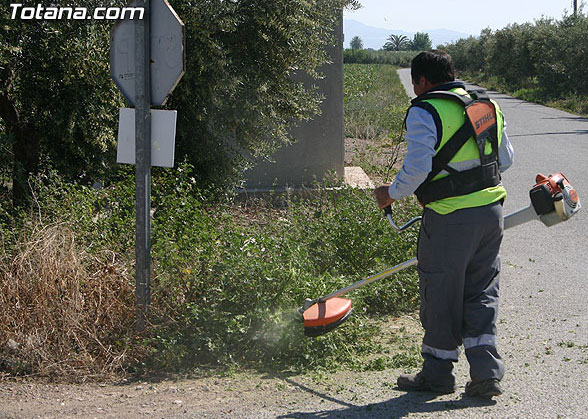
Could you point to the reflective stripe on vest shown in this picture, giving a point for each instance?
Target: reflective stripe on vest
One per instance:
(452, 116)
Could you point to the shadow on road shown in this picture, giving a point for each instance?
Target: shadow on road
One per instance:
(577, 132)
(572, 118)
(397, 407)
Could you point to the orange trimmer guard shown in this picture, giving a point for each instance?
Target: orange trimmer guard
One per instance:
(324, 316)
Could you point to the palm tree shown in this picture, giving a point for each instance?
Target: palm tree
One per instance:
(396, 43)
(356, 43)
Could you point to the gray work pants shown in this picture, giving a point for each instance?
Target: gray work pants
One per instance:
(459, 270)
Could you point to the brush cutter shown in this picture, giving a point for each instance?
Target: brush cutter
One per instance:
(553, 200)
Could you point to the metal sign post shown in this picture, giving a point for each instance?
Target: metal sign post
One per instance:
(143, 165)
(146, 63)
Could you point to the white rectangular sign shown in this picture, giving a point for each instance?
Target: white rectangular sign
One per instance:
(163, 137)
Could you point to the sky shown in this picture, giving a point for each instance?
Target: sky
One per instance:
(468, 16)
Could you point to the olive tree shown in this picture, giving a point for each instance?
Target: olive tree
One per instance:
(236, 102)
(57, 103)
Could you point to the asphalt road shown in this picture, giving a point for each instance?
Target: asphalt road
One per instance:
(543, 320)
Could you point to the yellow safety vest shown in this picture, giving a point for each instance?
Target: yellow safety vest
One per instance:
(452, 116)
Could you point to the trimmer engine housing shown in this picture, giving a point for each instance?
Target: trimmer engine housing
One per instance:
(554, 199)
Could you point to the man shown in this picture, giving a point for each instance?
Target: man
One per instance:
(462, 225)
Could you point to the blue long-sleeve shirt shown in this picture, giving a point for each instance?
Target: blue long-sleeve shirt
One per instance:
(421, 137)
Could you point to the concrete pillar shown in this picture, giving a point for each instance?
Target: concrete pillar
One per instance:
(320, 143)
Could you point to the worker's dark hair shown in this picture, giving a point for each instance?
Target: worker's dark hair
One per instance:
(435, 65)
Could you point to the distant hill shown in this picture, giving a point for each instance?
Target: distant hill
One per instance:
(376, 37)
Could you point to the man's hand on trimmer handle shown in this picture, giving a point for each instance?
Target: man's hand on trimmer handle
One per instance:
(382, 196)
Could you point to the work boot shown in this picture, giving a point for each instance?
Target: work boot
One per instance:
(419, 383)
(484, 389)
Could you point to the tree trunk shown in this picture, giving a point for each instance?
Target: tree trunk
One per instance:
(26, 162)
(26, 146)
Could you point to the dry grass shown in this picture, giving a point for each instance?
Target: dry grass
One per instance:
(68, 310)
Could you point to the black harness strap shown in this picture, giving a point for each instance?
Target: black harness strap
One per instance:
(455, 143)
(459, 183)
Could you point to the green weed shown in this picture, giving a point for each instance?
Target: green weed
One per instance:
(375, 105)
(375, 101)
(226, 281)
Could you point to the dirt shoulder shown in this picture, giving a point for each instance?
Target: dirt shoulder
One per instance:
(244, 394)
(318, 394)
(342, 394)
(315, 394)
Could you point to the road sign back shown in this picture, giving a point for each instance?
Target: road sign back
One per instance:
(167, 53)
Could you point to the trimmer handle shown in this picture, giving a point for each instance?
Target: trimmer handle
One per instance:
(388, 212)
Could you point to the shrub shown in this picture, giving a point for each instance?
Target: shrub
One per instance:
(226, 280)
(510, 55)
(229, 292)
(559, 52)
(367, 56)
(547, 57)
